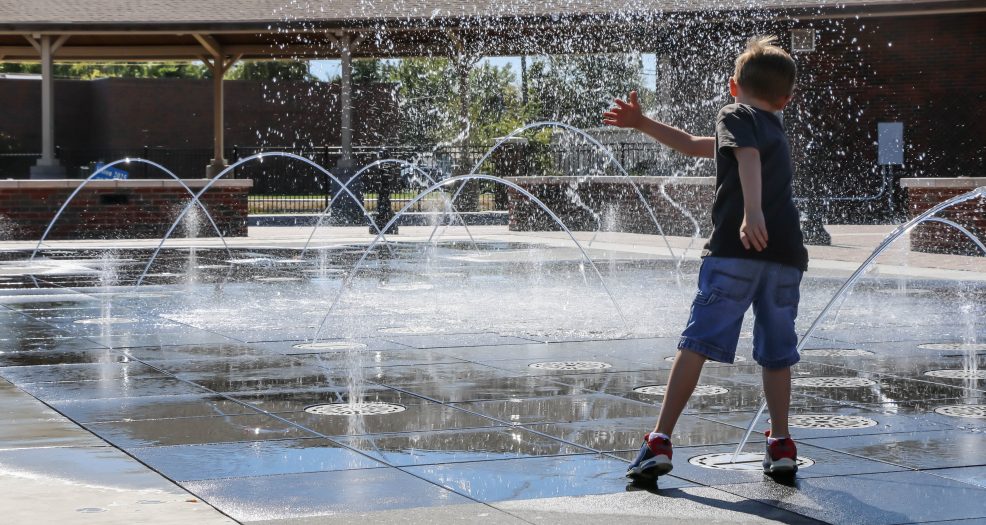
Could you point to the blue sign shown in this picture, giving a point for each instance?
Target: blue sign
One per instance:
(112, 173)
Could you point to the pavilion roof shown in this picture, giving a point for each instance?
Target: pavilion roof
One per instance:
(173, 29)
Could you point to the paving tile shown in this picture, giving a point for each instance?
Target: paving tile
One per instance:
(918, 450)
(517, 479)
(884, 498)
(307, 495)
(150, 407)
(79, 372)
(251, 458)
(195, 430)
(151, 386)
(453, 446)
(585, 407)
(609, 434)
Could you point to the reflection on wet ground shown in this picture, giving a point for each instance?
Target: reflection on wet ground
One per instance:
(514, 375)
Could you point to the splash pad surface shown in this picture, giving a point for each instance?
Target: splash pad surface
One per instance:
(217, 360)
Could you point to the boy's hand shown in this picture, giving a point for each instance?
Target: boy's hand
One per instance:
(625, 114)
(753, 231)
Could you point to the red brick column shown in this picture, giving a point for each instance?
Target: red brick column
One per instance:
(125, 209)
(931, 237)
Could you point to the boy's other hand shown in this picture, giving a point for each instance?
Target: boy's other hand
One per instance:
(625, 114)
(753, 231)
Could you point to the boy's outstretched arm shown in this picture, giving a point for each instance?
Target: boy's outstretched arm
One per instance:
(628, 115)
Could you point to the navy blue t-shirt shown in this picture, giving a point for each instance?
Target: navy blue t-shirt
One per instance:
(744, 126)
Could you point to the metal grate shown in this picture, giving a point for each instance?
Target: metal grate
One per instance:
(746, 461)
(737, 359)
(570, 365)
(331, 345)
(830, 421)
(836, 352)
(355, 409)
(957, 374)
(409, 330)
(953, 346)
(974, 411)
(700, 390)
(832, 382)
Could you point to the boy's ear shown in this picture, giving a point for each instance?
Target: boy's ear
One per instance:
(733, 87)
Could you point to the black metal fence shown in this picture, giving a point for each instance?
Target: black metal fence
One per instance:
(285, 185)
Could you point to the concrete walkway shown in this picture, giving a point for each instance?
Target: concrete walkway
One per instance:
(53, 471)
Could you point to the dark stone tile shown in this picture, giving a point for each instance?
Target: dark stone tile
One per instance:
(586, 407)
(453, 446)
(612, 434)
(971, 475)
(530, 478)
(320, 494)
(456, 340)
(111, 388)
(885, 498)
(886, 423)
(60, 357)
(377, 359)
(195, 430)
(150, 407)
(405, 375)
(79, 372)
(196, 352)
(458, 390)
(252, 458)
(918, 450)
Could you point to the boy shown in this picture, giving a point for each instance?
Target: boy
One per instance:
(756, 254)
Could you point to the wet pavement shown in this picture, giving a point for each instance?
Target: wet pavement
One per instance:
(509, 390)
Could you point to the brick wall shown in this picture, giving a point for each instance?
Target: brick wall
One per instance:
(118, 209)
(925, 71)
(616, 205)
(934, 237)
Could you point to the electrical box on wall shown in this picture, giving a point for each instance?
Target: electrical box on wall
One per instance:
(802, 40)
(890, 145)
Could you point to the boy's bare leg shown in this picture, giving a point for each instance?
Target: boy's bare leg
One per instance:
(777, 390)
(684, 376)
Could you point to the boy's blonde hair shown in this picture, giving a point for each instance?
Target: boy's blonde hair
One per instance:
(764, 70)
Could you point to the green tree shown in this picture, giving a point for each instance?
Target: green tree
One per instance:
(279, 70)
(576, 89)
(95, 70)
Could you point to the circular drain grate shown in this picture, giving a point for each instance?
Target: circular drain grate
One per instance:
(953, 346)
(836, 352)
(700, 390)
(355, 409)
(406, 287)
(746, 461)
(833, 382)
(738, 359)
(830, 422)
(976, 411)
(106, 320)
(570, 365)
(409, 330)
(331, 345)
(957, 374)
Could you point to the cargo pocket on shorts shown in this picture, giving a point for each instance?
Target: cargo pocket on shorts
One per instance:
(788, 291)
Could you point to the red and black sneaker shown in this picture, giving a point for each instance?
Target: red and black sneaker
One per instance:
(781, 456)
(653, 460)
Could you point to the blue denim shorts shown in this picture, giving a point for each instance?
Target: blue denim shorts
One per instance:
(726, 289)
